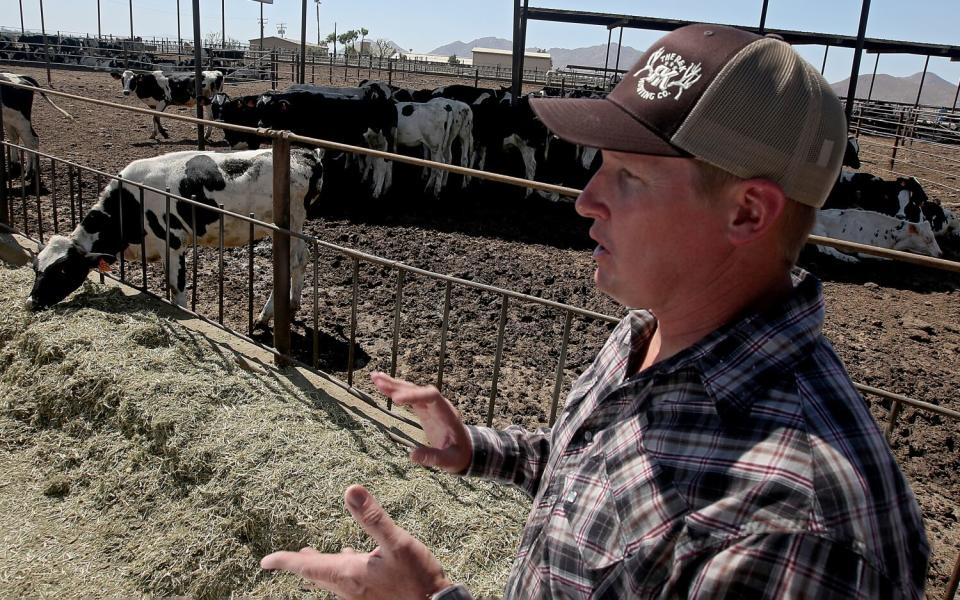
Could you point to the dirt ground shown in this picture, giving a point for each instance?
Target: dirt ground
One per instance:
(895, 326)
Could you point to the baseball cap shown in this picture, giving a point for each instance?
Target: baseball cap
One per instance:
(745, 103)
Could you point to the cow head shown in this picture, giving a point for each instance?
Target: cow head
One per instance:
(61, 266)
(128, 79)
(918, 238)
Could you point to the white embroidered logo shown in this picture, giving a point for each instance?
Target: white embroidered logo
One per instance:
(663, 73)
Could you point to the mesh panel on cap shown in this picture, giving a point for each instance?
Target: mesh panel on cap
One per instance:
(759, 118)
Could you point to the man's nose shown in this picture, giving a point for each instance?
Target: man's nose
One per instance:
(587, 204)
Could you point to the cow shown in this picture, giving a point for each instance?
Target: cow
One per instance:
(874, 229)
(869, 192)
(369, 122)
(17, 116)
(461, 131)
(241, 181)
(426, 126)
(241, 110)
(158, 90)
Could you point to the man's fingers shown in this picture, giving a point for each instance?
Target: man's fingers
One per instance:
(371, 516)
(326, 570)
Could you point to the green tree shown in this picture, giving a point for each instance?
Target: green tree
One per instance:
(363, 35)
(453, 60)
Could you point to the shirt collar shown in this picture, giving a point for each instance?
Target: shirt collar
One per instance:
(743, 358)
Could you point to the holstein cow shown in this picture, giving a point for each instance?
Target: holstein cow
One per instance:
(241, 181)
(17, 116)
(370, 122)
(869, 192)
(159, 90)
(875, 229)
(426, 126)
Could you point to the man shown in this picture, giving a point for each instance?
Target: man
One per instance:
(716, 447)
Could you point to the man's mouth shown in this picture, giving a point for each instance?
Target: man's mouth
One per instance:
(600, 250)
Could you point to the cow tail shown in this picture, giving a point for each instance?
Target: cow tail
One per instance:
(36, 84)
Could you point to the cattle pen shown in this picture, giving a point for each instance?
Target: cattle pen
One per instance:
(50, 218)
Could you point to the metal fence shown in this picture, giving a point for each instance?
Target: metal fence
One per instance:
(18, 216)
(247, 62)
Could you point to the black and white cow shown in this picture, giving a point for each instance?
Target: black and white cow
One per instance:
(357, 122)
(241, 181)
(869, 192)
(18, 114)
(158, 90)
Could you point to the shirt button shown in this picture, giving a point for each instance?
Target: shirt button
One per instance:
(588, 436)
(572, 496)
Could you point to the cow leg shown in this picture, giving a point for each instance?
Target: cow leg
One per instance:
(298, 264)
(178, 278)
(208, 115)
(157, 125)
(833, 252)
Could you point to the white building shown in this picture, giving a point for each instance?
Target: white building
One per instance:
(491, 57)
(430, 58)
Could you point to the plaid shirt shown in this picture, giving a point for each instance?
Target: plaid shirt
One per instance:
(746, 466)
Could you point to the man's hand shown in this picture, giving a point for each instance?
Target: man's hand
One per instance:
(399, 567)
(450, 447)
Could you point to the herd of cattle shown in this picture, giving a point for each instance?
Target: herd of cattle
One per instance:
(467, 126)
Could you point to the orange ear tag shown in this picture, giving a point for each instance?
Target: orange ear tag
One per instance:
(104, 266)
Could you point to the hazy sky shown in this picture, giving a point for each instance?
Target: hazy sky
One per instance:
(426, 24)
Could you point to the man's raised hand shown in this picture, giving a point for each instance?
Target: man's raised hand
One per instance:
(450, 447)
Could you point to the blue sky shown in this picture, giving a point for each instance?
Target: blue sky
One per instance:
(426, 24)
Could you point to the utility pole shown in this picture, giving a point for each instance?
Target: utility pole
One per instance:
(318, 21)
(22, 30)
(179, 42)
(223, 24)
(261, 26)
(303, 41)
(131, 20)
(98, 20)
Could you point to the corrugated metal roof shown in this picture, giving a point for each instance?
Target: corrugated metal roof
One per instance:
(510, 53)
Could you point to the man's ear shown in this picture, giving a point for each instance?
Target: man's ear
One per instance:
(755, 207)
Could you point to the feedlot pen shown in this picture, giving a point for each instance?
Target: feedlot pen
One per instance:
(492, 350)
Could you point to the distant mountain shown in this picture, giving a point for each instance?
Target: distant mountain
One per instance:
(463, 49)
(936, 90)
(591, 56)
(594, 56)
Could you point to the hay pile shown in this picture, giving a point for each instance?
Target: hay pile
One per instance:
(136, 458)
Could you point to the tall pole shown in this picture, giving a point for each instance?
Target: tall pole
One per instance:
(196, 69)
(826, 50)
(955, 96)
(923, 77)
(619, 45)
(606, 57)
(873, 77)
(46, 49)
(179, 40)
(223, 24)
(22, 30)
(763, 16)
(318, 22)
(261, 27)
(303, 41)
(857, 55)
(99, 35)
(131, 20)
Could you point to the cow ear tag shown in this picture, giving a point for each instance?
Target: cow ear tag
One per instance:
(103, 266)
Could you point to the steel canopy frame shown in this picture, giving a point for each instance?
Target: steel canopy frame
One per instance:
(859, 43)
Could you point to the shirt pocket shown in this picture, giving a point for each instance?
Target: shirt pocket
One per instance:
(585, 519)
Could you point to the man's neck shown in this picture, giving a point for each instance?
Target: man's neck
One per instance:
(682, 324)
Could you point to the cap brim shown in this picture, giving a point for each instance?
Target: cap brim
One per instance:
(600, 123)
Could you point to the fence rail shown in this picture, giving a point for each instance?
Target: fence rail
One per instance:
(281, 165)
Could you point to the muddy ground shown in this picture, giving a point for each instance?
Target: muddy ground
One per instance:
(896, 326)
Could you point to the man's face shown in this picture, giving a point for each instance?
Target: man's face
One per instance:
(658, 236)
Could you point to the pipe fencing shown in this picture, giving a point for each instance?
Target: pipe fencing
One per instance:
(12, 213)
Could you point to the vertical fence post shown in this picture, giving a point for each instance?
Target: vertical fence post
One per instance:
(896, 140)
(197, 40)
(390, 73)
(4, 205)
(281, 247)
(476, 78)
